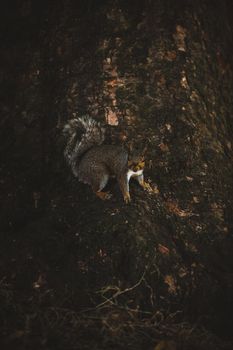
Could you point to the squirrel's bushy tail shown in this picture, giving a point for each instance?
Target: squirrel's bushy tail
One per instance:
(94, 134)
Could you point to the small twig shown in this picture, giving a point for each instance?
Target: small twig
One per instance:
(119, 292)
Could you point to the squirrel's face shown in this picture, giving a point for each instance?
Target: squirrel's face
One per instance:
(136, 158)
(136, 163)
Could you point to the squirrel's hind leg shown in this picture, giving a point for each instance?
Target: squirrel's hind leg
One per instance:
(103, 195)
(100, 182)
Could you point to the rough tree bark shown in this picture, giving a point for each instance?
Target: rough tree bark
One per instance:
(156, 272)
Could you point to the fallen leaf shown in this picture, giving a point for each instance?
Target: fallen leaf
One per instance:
(182, 272)
(183, 81)
(170, 281)
(172, 206)
(164, 147)
(168, 127)
(195, 199)
(189, 178)
(163, 250)
(179, 37)
(123, 136)
(166, 345)
(41, 281)
(112, 83)
(170, 55)
(111, 117)
(194, 96)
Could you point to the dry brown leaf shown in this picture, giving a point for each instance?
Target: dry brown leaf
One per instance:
(123, 136)
(163, 250)
(172, 206)
(183, 81)
(182, 272)
(170, 281)
(166, 345)
(195, 199)
(111, 117)
(161, 81)
(164, 147)
(194, 96)
(179, 37)
(218, 210)
(41, 281)
(168, 127)
(113, 83)
(189, 178)
(170, 55)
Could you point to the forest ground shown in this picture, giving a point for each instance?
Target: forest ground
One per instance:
(79, 273)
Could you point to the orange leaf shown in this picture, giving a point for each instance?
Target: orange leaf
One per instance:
(172, 206)
(164, 250)
(170, 281)
(111, 117)
(164, 147)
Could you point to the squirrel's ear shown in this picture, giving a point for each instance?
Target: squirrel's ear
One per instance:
(130, 146)
(144, 150)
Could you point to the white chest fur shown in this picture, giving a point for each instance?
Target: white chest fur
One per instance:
(132, 173)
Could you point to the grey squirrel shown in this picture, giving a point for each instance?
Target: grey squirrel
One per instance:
(93, 162)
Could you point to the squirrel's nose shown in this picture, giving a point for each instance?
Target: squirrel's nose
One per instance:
(140, 166)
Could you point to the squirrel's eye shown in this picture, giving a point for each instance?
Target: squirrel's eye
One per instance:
(141, 164)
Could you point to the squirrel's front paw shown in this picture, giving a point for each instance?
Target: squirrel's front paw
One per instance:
(127, 198)
(151, 189)
(103, 195)
(147, 186)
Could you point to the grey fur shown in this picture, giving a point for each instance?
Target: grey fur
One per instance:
(92, 162)
(93, 135)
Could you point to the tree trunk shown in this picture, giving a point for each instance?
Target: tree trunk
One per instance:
(152, 273)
